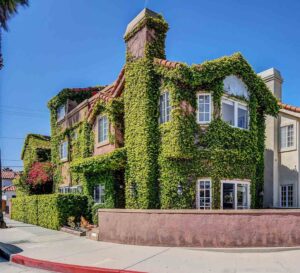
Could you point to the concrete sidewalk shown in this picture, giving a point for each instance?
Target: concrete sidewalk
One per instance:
(44, 244)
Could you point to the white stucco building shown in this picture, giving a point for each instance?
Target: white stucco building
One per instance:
(282, 156)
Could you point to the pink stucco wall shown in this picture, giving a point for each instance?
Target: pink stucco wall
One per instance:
(194, 228)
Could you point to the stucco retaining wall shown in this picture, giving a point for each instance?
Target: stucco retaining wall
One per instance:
(194, 228)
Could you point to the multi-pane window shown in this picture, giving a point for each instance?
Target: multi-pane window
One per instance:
(60, 112)
(204, 191)
(286, 197)
(99, 194)
(204, 108)
(102, 129)
(63, 150)
(164, 107)
(68, 189)
(235, 113)
(287, 136)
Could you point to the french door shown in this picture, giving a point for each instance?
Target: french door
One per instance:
(235, 195)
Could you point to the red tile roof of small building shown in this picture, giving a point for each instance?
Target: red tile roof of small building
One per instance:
(6, 174)
(166, 63)
(289, 107)
(9, 188)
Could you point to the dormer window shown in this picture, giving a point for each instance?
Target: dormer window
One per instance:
(164, 107)
(103, 127)
(204, 108)
(61, 112)
(235, 113)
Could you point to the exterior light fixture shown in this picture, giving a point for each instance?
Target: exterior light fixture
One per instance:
(179, 190)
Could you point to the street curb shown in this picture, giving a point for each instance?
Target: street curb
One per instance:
(62, 267)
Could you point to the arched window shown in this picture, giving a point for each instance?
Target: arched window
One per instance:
(235, 86)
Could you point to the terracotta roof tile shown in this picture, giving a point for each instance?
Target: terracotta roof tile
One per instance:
(9, 174)
(9, 188)
(166, 63)
(289, 107)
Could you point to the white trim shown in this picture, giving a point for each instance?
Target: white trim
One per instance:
(295, 135)
(235, 182)
(287, 196)
(108, 126)
(198, 191)
(210, 107)
(61, 150)
(236, 106)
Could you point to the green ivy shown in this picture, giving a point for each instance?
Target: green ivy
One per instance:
(51, 210)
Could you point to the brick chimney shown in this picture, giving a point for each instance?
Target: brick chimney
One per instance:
(143, 31)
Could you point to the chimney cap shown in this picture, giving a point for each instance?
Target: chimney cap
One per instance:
(144, 13)
(271, 74)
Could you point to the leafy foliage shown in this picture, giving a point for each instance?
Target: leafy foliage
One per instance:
(49, 211)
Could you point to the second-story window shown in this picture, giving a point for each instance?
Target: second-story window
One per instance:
(164, 107)
(235, 113)
(287, 136)
(204, 108)
(60, 112)
(63, 150)
(102, 129)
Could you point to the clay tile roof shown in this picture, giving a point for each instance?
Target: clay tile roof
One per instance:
(8, 174)
(289, 107)
(9, 188)
(166, 63)
(86, 89)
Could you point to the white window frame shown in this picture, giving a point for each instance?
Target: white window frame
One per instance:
(63, 157)
(292, 147)
(236, 182)
(287, 196)
(198, 193)
(236, 106)
(165, 107)
(70, 189)
(101, 130)
(59, 116)
(101, 194)
(198, 108)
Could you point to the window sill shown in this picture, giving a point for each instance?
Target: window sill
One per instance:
(289, 149)
(101, 144)
(63, 160)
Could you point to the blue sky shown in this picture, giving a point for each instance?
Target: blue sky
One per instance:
(56, 44)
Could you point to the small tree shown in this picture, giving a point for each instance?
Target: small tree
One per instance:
(40, 178)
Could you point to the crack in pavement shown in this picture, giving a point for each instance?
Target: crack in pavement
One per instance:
(146, 259)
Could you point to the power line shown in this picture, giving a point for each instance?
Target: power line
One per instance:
(11, 159)
(12, 137)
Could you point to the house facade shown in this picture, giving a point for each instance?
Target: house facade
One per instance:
(8, 189)
(282, 156)
(164, 134)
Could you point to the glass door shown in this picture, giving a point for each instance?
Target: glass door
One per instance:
(228, 196)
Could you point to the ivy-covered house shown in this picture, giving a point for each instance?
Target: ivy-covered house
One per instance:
(36, 150)
(164, 134)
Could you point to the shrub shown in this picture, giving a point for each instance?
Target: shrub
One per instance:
(51, 210)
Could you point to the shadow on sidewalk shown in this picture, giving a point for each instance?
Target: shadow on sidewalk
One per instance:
(6, 250)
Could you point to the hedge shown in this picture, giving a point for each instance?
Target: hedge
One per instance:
(51, 210)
